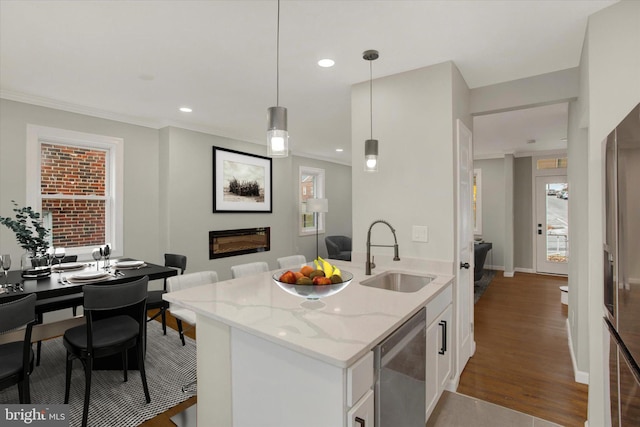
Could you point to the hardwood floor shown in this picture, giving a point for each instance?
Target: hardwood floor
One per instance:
(164, 419)
(522, 358)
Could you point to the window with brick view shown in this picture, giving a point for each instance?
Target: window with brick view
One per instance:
(73, 185)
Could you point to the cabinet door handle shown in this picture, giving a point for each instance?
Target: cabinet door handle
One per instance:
(465, 265)
(360, 422)
(443, 324)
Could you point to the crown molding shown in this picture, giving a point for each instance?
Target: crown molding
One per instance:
(140, 121)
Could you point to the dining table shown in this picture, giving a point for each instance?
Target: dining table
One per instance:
(71, 280)
(62, 283)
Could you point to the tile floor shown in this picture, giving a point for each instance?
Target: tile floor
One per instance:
(457, 410)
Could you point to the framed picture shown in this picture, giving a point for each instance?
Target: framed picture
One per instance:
(241, 182)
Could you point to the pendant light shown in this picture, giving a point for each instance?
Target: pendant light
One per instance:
(277, 134)
(371, 145)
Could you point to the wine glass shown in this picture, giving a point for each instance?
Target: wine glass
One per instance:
(5, 265)
(96, 254)
(106, 251)
(58, 254)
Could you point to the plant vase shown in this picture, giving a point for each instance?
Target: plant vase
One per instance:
(34, 266)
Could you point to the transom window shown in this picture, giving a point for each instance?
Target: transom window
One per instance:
(77, 186)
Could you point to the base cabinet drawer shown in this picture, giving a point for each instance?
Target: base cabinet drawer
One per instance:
(362, 415)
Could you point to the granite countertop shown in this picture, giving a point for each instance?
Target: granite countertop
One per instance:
(339, 330)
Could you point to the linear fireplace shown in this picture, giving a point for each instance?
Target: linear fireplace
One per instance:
(226, 243)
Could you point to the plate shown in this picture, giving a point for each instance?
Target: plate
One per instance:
(68, 266)
(128, 264)
(88, 275)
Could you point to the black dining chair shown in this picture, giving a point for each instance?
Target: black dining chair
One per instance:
(48, 305)
(154, 297)
(115, 322)
(16, 357)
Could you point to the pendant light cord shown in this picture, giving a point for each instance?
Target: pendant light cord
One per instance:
(371, 97)
(278, 58)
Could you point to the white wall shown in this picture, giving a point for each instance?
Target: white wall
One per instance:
(188, 156)
(338, 192)
(168, 189)
(141, 168)
(613, 37)
(493, 209)
(412, 119)
(546, 88)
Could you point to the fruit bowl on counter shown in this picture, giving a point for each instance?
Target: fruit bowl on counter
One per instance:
(311, 283)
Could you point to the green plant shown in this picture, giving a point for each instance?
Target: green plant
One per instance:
(27, 226)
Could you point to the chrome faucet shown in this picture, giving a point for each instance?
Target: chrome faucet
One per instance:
(370, 263)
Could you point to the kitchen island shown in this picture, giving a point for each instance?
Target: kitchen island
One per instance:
(267, 358)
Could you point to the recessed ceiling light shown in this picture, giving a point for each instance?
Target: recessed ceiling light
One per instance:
(326, 63)
(563, 139)
(186, 109)
(339, 150)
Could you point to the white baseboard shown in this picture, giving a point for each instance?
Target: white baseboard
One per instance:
(581, 377)
(516, 269)
(508, 274)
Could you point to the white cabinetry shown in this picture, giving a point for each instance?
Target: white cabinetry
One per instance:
(276, 387)
(439, 347)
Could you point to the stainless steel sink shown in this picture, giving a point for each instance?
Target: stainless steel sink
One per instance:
(398, 282)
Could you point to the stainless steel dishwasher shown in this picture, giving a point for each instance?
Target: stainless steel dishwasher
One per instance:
(400, 365)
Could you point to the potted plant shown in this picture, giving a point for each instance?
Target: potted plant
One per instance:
(32, 237)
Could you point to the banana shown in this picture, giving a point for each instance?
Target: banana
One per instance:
(317, 264)
(336, 271)
(327, 267)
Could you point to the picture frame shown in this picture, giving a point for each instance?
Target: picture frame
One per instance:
(241, 182)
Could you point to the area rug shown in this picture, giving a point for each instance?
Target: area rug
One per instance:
(481, 285)
(169, 366)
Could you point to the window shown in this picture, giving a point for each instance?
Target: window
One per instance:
(75, 180)
(477, 201)
(311, 187)
(551, 163)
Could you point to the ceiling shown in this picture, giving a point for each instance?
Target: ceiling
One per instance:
(521, 132)
(139, 61)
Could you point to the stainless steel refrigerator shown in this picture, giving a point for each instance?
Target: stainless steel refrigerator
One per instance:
(622, 269)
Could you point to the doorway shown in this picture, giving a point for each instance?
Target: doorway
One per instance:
(552, 224)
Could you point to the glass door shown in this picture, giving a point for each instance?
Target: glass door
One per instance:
(552, 224)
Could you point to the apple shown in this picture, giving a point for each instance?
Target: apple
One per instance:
(288, 277)
(321, 280)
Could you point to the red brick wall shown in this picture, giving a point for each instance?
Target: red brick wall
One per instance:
(74, 171)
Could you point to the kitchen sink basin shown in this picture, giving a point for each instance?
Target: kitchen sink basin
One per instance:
(398, 282)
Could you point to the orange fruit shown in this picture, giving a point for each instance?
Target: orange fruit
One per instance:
(306, 270)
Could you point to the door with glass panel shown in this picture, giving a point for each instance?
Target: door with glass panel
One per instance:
(552, 224)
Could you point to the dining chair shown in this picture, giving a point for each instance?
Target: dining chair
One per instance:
(154, 297)
(186, 281)
(115, 322)
(17, 357)
(48, 305)
(249, 269)
(292, 261)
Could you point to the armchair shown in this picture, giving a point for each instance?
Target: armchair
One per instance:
(338, 247)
